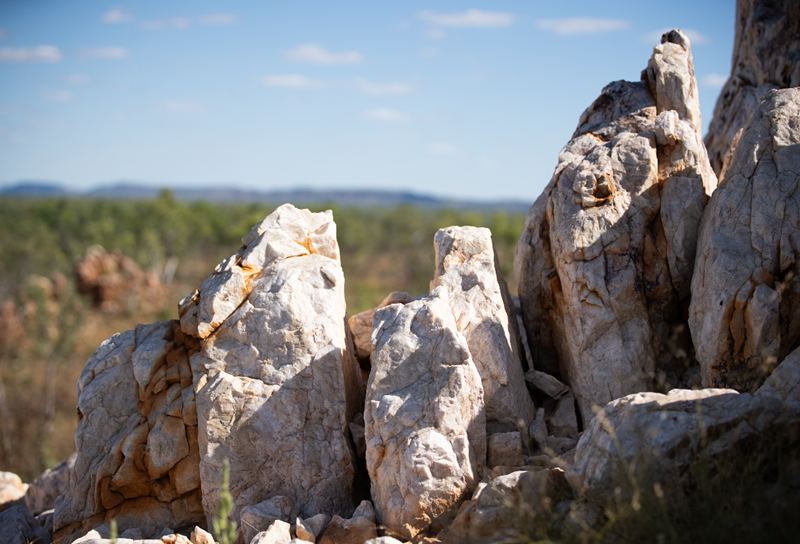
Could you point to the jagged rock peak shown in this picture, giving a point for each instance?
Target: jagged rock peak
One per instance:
(604, 263)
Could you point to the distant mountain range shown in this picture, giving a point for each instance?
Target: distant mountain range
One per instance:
(304, 197)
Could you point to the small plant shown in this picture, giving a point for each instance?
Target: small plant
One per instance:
(113, 531)
(224, 528)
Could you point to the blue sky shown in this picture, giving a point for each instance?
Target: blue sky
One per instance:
(465, 99)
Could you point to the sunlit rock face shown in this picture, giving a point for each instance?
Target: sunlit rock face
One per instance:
(467, 268)
(604, 263)
(259, 370)
(424, 414)
(766, 50)
(274, 374)
(745, 311)
(137, 452)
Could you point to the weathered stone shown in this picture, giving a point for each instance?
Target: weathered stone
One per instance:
(604, 263)
(361, 324)
(112, 280)
(258, 517)
(547, 384)
(425, 421)
(563, 422)
(494, 516)
(505, 449)
(18, 526)
(765, 53)
(277, 383)
(467, 267)
(286, 232)
(383, 540)
(538, 432)
(279, 532)
(200, 536)
(745, 309)
(11, 487)
(646, 438)
(120, 394)
(356, 530)
(309, 529)
(45, 489)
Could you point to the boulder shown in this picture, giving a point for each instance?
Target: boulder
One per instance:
(356, 530)
(765, 52)
(256, 518)
(309, 529)
(648, 438)
(45, 489)
(361, 324)
(467, 268)
(133, 438)
(279, 532)
(605, 260)
(547, 384)
(424, 415)
(18, 526)
(112, 280)
(11, 487)
(201, 536)
(745, 309)
(494, 516)
(563, 421)
(276, 383)
(505, 449)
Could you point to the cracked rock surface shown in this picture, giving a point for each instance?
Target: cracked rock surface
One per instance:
(605, 260)
(467, 268)
(424, 415)
(745, 310)
(137, 457)
(276, 383)
(766, 56)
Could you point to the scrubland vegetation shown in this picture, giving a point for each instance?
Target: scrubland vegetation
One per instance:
(48, 330)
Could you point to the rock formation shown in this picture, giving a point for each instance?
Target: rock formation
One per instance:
(45, 489)
(467, 268)
(650, 438)
(605, 260)
(425, 419)
(112, 280)
(766, 56)
(745, 310)
(276, 383)
(137, 457)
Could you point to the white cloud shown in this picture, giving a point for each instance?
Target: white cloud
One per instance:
(581, 25)
(57, 96)
(471, 18)
(714, 80)
(442, 149)
(367, 87)
(694, 36)
(41, 53)
(117, 15)
(385, 114)
(110, 52)
(174, 22)
(436, 33)
(78, 79)
(311, 52)
(219, 19)
(178, 106)
(292, 81)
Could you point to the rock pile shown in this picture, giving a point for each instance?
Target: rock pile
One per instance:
(625, 270)
(112, 280)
